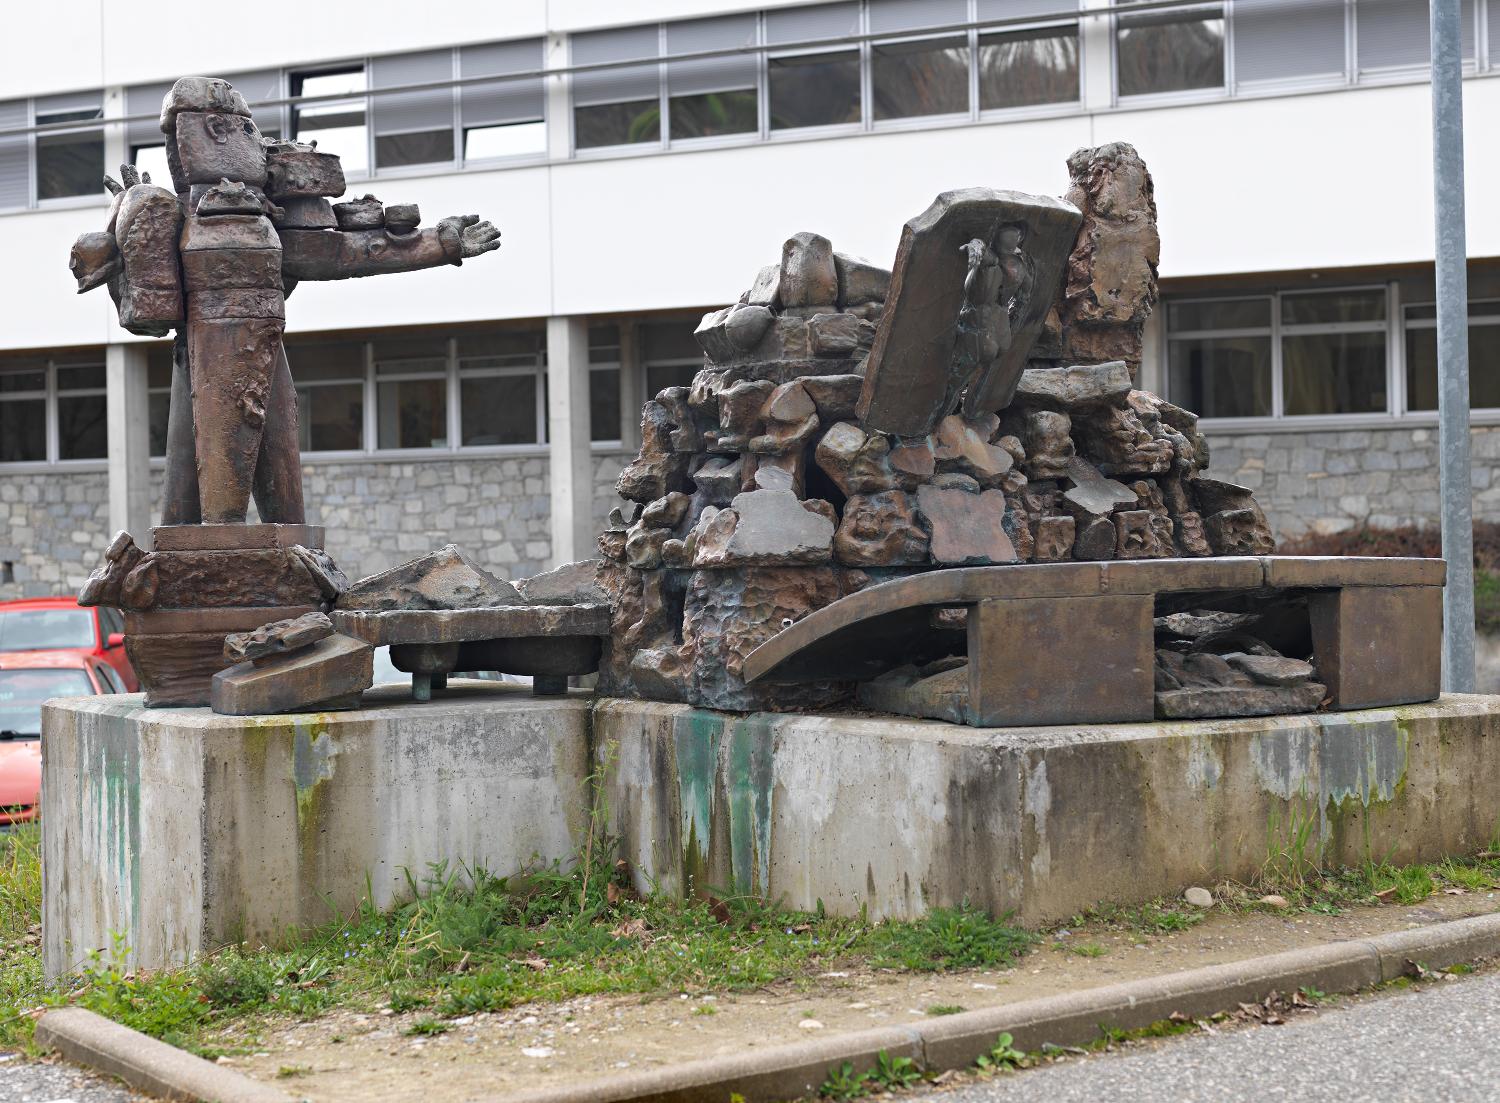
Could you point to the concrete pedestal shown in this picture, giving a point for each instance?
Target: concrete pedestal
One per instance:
(896, 816)
(183, 830)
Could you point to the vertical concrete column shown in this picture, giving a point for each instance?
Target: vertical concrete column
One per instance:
(128, 421)
(632, 385)
(1154, 353)
(116, 149)
(1098, 68)
(571, 466)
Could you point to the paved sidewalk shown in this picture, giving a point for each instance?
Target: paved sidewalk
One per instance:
(23, 1081)
(1436, 1045)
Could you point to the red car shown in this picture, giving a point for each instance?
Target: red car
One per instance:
(58, 624)
(26, 680)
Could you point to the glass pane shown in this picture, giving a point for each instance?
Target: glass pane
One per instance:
(1334, 373)
(23, 691)
(1225, 377)
(1220, 314)
(814, 90)
(661, 376)
(46, 629)
(413, 414)
(160, 409)
(332, 418)
(499, 410)
(1484, 368)
(509, 140)
(671, 341)
(425, 148)
(501, 348)
(338, 126)
(17, 379)
(1170, 52)
(332, 360)
(604, 344)
(23, 430)
(711, 113)
(617, 124)
(604, 404)
(930, 77)
(79, 377)
(69, 164)
(1022, 68)
(152, 161)
(1329, 307)
(159, 365)
(82, 431)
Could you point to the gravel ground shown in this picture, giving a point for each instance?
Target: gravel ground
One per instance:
(23, 1081)
(1434, 1045)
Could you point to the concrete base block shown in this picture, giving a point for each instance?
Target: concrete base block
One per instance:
(182, 830)
(897, 816)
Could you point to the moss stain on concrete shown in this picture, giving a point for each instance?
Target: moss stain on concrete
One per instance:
(113, 770)
(749, 780)
(696, 742)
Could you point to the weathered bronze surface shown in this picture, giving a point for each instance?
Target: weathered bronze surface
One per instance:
(331, 673)
(1378, 645)
(912, 377)
(249, 219)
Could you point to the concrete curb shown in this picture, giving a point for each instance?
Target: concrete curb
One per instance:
(144, 1063)
(955, 1041)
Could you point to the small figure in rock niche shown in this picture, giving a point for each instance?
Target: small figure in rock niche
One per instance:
(214, 259)
(996, 286)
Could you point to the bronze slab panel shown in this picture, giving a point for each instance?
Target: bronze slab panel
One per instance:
(231, 579)
(413, 626)
(176, 669)
(158, 622)
(331, 669)
(1378, 645)
(1070, 660)
(235, 537)
(1285, 571)
(1156, 576)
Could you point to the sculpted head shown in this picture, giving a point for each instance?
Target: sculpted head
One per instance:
(210, 135)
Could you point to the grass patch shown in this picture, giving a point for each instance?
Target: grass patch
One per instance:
(469, 941)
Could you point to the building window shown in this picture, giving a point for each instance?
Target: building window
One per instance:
(499, 384)
(1219, 356)
(813, 87)
(330, 381)
(505, 118)
(1292, 354)
(604, 383)
(23, 411)
(337, 125)
(670, 354)
(82, 429)
(1422, 358)
(1174, 50)
(1027, 68)
(916, 77)
(412, 128)
(158, 395)
(707, 97)
(618, 106)
(69, 161)
(1283, 40)
(411, 392)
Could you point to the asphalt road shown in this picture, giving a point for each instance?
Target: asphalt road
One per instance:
(23, 1081)
(1433, 1045)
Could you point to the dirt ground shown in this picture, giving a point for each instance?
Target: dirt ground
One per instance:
(341, 1058)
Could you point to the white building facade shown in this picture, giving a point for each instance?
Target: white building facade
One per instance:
(644, 160)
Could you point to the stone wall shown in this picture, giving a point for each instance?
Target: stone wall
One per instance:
(1332, 480)
(54, 527)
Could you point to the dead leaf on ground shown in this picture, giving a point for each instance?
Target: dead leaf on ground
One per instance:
(631, 928)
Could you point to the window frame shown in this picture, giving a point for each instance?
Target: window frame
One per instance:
(1391, 326)
(1223, 90)
(997, 114)
(48, 395)
(62, 202)
(1408, 324)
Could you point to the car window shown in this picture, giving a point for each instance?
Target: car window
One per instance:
(110, 678)
(46, 629)
(23, 691)
(111, 620)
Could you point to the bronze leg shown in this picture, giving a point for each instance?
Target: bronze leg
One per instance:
(233, 362)
(278, 472)
(179, 504)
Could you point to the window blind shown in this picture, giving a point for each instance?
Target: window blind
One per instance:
(804, 24)
(1020, 9)
(68, 103)
(636, 82)
(15, 166)
(510, 101)
(411, 112)
(915, 15)
(712, 74)
(1283, 39)
(145, 99)
(1395, 33)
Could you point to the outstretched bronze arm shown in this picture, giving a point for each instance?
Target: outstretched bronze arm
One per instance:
(346, 254)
